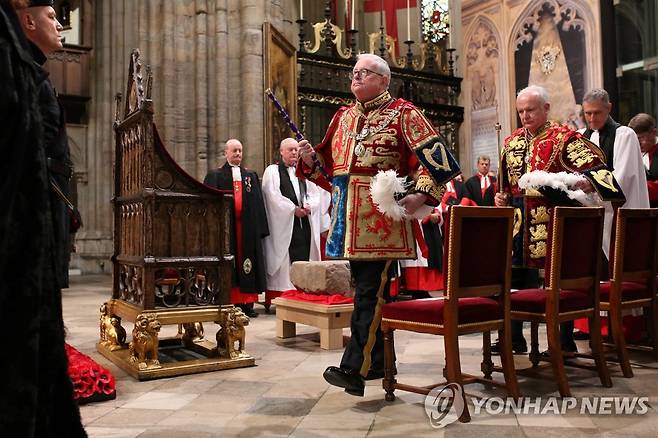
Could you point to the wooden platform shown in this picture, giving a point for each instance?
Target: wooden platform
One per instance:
(330, 319)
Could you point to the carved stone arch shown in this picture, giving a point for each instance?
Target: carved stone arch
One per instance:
(483, 78)
(579, 15)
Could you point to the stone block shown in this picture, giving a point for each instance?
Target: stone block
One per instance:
(323, 278)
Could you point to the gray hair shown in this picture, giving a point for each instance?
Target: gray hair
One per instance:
(536, 90)
(382, 65)
(483, 158)
(597, 94)
(642, 123)
(287, 140)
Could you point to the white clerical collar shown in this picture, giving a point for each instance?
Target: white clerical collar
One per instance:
(235, 173)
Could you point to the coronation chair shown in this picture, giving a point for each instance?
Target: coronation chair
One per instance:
(572, 270)
(475, 300)
(633, 279)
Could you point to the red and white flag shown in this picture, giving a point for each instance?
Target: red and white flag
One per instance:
(401, 19)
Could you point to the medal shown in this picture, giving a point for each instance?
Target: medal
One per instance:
(359, 150)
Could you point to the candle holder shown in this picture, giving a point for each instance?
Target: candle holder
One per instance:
(382, 42)
(410, 55)
(353, 42)
(302, 37)
(451, 61)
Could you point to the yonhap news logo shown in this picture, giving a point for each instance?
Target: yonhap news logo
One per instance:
(445, 404)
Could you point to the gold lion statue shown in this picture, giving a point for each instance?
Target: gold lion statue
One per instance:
(145, 341)
(232, 330)
(113, 335)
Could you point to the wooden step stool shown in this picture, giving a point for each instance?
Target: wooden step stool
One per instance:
(329, 318)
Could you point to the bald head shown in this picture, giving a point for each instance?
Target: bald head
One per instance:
(289, 149)
(233, 152)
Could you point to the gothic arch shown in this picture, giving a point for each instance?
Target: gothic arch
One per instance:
(483, 91)
(482, 32)
(574, 15)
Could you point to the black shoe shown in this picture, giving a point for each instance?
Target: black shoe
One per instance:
(580, 336)
(350, 380)
(565, 349)
(517, 347)
(376, 374)
(248, 309)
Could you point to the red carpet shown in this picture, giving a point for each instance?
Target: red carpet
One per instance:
(91, 382)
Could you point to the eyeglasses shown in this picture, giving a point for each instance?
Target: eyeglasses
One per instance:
(362, 74)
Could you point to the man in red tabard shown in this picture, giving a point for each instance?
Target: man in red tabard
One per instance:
(250, 226)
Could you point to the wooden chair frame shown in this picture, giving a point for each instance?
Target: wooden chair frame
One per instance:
(551, 316)
(621, 273)
(451, 329)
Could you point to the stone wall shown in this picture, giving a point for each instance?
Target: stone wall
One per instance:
(206, 60)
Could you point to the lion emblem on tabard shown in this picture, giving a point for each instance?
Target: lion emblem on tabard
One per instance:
(144, 344)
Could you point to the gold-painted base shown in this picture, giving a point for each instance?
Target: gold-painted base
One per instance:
(176, 359)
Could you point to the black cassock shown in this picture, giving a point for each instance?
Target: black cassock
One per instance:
(36, 394)
(473, 191)
(249, 274)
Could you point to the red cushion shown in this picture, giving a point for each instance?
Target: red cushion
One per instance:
(534, 300)
(630, 291)
(430, 310)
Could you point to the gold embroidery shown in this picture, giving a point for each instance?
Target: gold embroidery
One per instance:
(426, 185)
(381, 157)
(444, 157)
(538, 233)
(514, 159)
(539, 215)
(518, 221)
(537, 250)
(604, 177)
(579, 153)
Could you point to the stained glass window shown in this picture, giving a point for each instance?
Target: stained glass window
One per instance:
(435, 18)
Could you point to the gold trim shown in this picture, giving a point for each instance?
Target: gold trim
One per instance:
(376, 320)
(427, 324)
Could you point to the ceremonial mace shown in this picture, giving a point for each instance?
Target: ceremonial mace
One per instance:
(498, 127)
(298, 134)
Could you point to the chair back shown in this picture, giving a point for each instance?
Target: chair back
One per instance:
(478, 251)
(633, 255)
(574, 253)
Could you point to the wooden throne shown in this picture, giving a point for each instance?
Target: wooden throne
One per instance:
(172, 262)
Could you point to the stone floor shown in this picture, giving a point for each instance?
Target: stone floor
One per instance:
(285, 394)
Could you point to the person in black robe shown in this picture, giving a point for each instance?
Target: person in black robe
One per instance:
(249, 221)
(480, 188)
(36, 394)
(42, 31)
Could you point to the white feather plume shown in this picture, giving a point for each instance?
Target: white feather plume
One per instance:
(564, 181)
(383, 188)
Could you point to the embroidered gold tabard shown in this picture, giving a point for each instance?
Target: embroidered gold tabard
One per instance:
(386, 131)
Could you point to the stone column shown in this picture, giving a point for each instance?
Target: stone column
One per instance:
(206, 58)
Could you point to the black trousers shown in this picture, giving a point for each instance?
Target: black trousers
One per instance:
(366, 345)
(528, 278)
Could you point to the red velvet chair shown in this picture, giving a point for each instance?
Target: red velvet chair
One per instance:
(475, 300)
(633, 260)
(572, 273)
